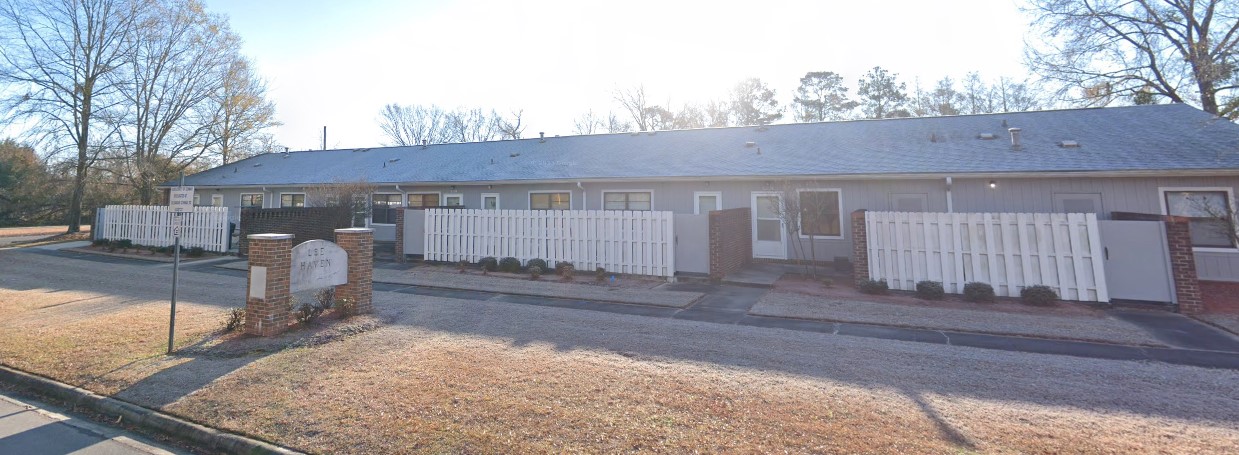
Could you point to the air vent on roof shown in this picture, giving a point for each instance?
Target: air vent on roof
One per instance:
(514, 155)
(393, 160)
(258, 164)
(750, 144)
(1069, 144)
(651, 133)
(634, 133)
(762, 128)
(987, 136)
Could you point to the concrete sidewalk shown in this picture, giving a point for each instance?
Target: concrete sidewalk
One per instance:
(33, 428)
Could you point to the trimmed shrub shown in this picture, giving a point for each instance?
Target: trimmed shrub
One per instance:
(1039, 295)
(978, 292)
(600, 274)
(930, 290)
(561, 265)
(539, 263)
(828, 282)
(462, 265)
(535, 272)
(346, 307)
(308, 312)
(99, 242)
(196, 252)
(510, 265)
(326, 297)
(875, 287)
(488, 264)
(568, 272)
(123, 244)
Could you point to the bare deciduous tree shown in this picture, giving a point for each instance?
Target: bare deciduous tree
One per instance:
(1184, 51)
(56, 56)
(242, 112)
(510, 128)
(413, 124)
(353, 194)
(635, 102)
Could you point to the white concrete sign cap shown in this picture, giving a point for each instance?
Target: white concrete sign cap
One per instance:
(318, 264)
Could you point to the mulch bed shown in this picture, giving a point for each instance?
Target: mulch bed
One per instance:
(143, 254)
(582, 277)
(844, 289)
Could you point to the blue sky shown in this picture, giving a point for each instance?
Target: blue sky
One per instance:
(336, 63)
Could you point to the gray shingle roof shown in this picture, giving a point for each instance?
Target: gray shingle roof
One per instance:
(1172, 137)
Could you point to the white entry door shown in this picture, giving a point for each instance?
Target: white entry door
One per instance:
(769, 240)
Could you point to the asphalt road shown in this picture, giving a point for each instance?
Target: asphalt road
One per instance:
(31, 428)
(6, 241)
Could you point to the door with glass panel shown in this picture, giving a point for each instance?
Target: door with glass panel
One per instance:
(769, 240)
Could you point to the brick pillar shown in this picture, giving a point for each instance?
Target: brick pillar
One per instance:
(1183, 264)
(267, 295)
(359, 244)
(860, 247)
(400, 235)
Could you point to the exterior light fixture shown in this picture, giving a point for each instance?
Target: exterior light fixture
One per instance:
(993, 184)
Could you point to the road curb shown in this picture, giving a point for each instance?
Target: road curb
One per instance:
(200, 435)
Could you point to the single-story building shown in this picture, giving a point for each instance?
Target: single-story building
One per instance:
(1146, 159)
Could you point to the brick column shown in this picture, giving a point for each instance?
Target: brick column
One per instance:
(400, 235)
(267, 295)
(860, 247)
(1183, 264)
(359, 244)
(731, 241)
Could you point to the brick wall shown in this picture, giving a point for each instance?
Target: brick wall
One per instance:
(306, 223)
(267, 313)
(400, 235)
(1183, 264)
(731, 241)
(359, 244)
(860, 248)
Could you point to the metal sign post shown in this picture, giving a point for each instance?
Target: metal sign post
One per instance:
(180, 200)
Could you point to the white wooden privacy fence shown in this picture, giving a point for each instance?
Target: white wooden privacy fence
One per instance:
(640, 243)
(151, 225)
(1007, 250)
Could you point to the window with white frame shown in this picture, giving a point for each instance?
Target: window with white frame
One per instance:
(550, 201)
(707, 201)
(627, 200)
(820, 213)
(217, 200)
(423, 200)
(454, 200)
(197, 199)
(384, 207)
(490, 201)
(292, 200)
(1209, 211)
(251, 200)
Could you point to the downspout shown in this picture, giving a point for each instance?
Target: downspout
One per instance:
(584, 197)
(950, 201)
(264, 197)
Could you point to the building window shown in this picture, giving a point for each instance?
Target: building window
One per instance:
(454, 200)
(490, 201)
(707, 201)
(550, 201)
(1077, 202)
(251, 200)
(632, 200)
(217, 200)
(819, 213)
(423, 200)
(909, 202)
(292, 200)
(384, 207)
(1209, 211)
(197, 199)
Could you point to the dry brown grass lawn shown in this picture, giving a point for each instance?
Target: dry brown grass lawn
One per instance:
(443, 375)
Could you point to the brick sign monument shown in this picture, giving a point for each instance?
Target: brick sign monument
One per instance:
(277, 269)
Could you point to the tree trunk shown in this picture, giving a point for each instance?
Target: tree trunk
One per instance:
(79, 187)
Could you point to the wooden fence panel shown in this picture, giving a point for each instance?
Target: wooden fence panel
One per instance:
(151, 225)
(641, 243)
(1009, 251)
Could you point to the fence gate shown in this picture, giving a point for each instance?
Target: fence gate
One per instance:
(1007, 250)
(1137, 260)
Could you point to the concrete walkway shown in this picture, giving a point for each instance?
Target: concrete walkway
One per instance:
(32, 428)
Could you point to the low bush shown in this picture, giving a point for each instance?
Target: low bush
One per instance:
(535, 272)
(308, 312)
(561, 265)
(828, 282)
(1038, 295)
(539, 263)
(488, 264)
(196, 252)
(346, 307)
(978, 292)
(325, 297)
(99, 242)
(875, 287)
(236, 319)
(600, 274)
(153, 249)
(124, 244)
(462, 265)
(930, 290)
(567, 271)
(510, 265)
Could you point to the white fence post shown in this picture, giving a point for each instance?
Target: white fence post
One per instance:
(1009, 251)
(151, 225)
(640, 243)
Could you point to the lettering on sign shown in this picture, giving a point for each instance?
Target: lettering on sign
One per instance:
(181, 199)
(318, 264)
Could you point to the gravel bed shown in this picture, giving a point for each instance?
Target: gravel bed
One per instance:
(1098, 328)
(473, 282)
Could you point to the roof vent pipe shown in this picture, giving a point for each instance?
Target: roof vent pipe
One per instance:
(1015, 138)
(541, 136)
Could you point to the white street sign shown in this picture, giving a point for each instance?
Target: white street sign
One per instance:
(177, 221)
(181, 199)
